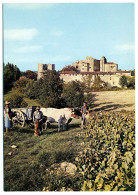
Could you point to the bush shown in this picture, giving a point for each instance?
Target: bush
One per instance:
(123, 81)
(16, 101)
(131, 82)
(109, 162)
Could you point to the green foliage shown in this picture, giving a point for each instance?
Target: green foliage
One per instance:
(98, 84)
(20, 86)
(73, 94)
(89, 99)
(131, 82)
(11, 74)
(47, 89)
(123, 81)
(108, 164)
(16, 100)
(87, 83)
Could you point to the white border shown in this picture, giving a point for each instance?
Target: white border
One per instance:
(1, 76)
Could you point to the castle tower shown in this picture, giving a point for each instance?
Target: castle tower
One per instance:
(102, 64)
(40, 70)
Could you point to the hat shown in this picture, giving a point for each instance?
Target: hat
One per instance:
(37, 108)
(6, 102)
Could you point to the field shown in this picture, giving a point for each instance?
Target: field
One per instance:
(94, 154)
(114, 100)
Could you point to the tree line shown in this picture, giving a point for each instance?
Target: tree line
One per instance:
(51, 91)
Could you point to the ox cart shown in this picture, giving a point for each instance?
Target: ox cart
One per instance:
(24, 116)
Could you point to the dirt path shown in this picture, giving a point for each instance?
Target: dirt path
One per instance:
(114, 100)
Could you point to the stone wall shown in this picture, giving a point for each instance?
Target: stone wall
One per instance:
(112, 78)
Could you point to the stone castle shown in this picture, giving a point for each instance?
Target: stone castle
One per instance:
(107, 71)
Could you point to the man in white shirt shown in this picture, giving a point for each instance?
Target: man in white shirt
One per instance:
(37, 118)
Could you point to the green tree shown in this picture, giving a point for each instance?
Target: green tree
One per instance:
(20, 85)
(11, 73)
(87, 83)
(123, 81)
(73, 94)
(47, 90)
(98, 84)
(131, 82)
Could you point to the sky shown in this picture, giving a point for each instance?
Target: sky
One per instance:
(63, 33)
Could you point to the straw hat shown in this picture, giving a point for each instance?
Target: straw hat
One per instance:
(6, 102)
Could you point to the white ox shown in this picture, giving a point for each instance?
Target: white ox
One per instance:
(62, 116)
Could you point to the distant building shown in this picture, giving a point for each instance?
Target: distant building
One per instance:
(42, 68)
(107, 71)
(93, 65)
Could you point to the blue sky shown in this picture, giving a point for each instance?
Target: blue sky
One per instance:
(62, 33)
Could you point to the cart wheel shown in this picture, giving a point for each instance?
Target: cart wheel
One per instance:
(19, 118)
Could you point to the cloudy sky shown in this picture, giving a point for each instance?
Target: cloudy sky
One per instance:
(62, 33)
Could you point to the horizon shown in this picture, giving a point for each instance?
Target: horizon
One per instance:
(63, 33)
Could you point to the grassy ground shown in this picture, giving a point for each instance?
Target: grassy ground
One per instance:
(22, 170)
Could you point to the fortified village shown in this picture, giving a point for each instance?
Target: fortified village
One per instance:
(107, 71)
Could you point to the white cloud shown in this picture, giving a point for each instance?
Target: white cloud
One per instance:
(29, 6)
(28, 49)
(20, 34)
(125, 48)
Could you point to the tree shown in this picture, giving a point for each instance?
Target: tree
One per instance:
(11, 74)
(98, 84)
(87, 83)
(73, 94)
(131, 82)
(123, 81)
(69, 68)
(30, 74)
(47, 90)
(20, 85)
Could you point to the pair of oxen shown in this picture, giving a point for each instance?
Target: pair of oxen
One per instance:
(62, 116)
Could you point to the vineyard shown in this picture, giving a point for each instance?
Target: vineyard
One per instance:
(109, 162)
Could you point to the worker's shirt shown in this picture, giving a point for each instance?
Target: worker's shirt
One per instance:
(84, 109)
(37, 115)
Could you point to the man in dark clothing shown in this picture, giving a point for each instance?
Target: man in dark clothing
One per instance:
(84, 111)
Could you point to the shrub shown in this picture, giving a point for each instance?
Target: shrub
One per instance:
(131, 82)
(123, 81)
(108, 164)
(16, 101)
